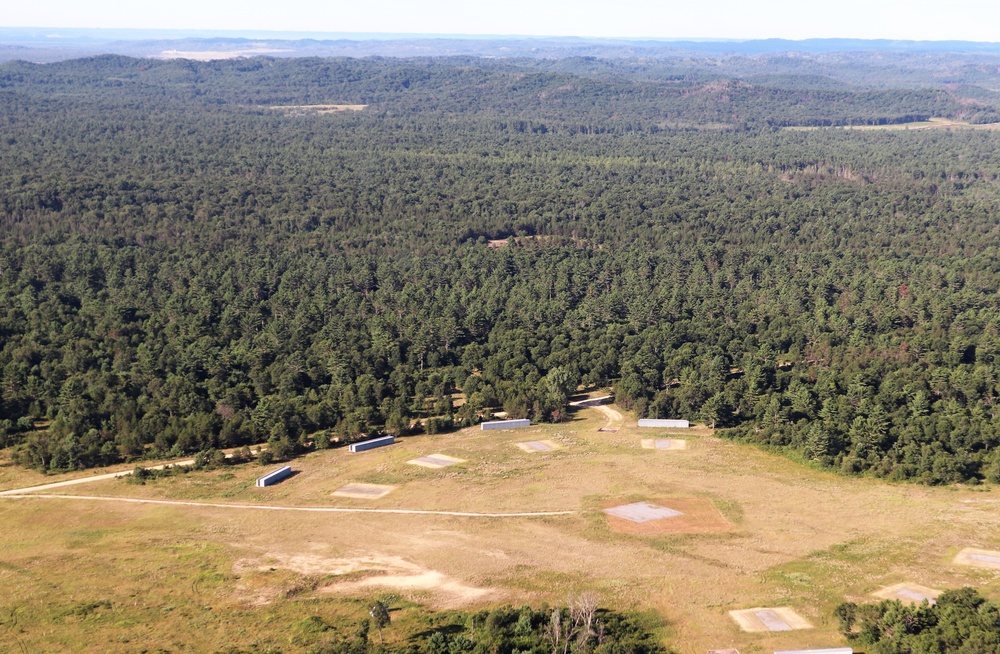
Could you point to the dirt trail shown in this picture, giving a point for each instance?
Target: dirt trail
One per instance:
(271, 507)
(613, 416)
(87, 480)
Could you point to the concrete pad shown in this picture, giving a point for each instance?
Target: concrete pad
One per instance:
(363, 491)
(539, 446)
(724, 651)
(435, 461)
(642, 512)
(664, 443)
(769, 619)
(979, 558)
(908, 593)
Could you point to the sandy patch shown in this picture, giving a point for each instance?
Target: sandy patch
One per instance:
(539, 446)
(412, 579)
(765, 619)
(363, 491)
(908, 593)
(664, 444)
(979, 558)
(695, 515)
(435, 461)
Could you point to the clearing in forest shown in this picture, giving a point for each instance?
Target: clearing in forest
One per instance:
(755, 529)
(315, 109)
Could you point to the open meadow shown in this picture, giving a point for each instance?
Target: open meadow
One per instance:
(757, 530)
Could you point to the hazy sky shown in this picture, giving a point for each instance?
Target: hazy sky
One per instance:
(977, 20)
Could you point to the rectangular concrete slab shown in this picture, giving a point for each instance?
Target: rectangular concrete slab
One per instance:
(763, 619)
(363, 491)
(435, 461)
(539, 446)
(979, 558)
(908, 593)
(724, 651)
(642, 512)
(664, 443)
(772, 620)
(827, 650)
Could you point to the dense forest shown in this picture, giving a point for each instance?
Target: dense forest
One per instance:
(184, 266)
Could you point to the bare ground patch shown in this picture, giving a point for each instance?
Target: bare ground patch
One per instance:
(979, 558)
(908, 593)
(539, 446)
(435, 461)
(361, 491)
(664, 444)
(347, 576)
(697, 515)
(760, 620)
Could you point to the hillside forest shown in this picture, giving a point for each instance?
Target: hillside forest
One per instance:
(191, 258)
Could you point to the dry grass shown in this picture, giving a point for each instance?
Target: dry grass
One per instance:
(797, 537)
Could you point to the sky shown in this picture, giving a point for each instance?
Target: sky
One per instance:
(971, 20)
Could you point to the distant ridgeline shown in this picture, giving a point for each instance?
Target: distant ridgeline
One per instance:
(184, 265)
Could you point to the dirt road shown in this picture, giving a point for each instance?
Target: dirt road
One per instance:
(613, 416)
(87, 480)
(269, 507)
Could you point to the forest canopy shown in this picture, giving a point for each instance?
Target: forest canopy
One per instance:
(184, 266)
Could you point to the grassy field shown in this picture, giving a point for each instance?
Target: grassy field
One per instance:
(109, 576)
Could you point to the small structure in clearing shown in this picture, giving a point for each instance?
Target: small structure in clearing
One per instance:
(539, 446)
(764, 619)
(435, 461)
(908, 593)
(664, 424)
(664, 444)
(979, 558)
(371, 443)
(275, 476)
(363, 491)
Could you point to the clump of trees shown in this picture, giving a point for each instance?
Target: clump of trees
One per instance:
(579, 628)
(961, 622)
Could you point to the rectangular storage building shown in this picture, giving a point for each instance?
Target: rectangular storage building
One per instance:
(274, 477)
(504, 424)
(664, 424)
(371, 443)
